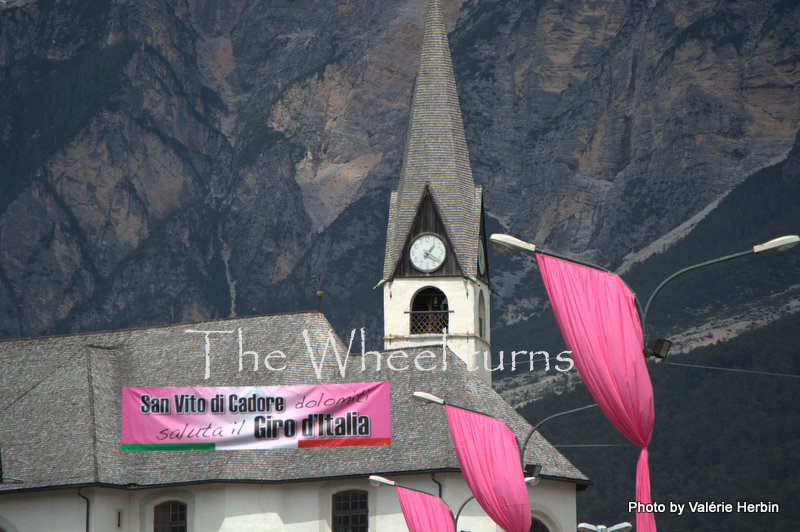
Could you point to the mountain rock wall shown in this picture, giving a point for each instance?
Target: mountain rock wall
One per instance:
(164, 162)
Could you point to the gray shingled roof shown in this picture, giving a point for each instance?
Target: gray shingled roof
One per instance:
(436, 156)
(60, 407)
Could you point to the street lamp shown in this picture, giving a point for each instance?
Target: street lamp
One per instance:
(506, 244)
(621, 527)
(548, 418)
(377, 480)
(427, 398)
(776, 245)
(411, 519)
(658, 347)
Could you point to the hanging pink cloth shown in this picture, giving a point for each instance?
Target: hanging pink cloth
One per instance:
(596, 313)
(424, 512)
(488, 454)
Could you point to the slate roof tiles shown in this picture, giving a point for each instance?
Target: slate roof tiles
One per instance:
(436, 156)
(60, 406)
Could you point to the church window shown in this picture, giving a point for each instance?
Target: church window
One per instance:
(170, 516)
(481, 316)
(429, 312)
(350, 511)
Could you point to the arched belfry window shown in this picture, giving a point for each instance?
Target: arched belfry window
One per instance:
(429, 311)
(482, 316)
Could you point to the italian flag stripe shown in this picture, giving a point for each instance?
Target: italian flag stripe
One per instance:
(344, 442)
(167, 446)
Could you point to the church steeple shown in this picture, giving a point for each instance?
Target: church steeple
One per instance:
(434, 269)
(436, 157)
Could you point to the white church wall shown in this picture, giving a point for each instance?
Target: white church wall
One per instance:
(462, 332)
(285, 507)
(51, 510)
(553, 502)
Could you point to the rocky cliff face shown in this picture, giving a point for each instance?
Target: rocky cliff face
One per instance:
(617, 121)
(164, 162)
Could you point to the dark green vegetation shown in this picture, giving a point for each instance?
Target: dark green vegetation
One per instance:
(719, 436)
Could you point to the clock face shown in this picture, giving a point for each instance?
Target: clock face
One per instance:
(481, 258)
(427, 253)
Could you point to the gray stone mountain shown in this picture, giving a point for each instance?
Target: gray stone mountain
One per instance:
(164, 162)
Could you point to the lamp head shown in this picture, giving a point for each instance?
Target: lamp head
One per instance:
(507, 243)
(776, 245)
(377, 480)
(427, 398)
(620, 527)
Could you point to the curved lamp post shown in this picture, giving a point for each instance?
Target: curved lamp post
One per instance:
(657, 347)
(621, 527)
(377, 480)
(548, 418)
(530, 481)
(776, 245)
(427, 399)
(506, 244)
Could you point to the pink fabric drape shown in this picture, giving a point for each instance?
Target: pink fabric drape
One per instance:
(424, 512)
(596, 313)
(488, 454)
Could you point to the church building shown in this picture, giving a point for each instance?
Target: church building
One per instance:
(186, 427)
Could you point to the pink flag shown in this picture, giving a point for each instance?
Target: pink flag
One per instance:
(488, 454)
(424, 512)
(596, 313)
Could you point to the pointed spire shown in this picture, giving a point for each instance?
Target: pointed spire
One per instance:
(436, 155)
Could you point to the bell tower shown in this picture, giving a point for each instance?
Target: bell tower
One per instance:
(435, 276)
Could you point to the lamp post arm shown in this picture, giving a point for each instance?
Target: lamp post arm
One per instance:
(571, 259)
(681, 272)
(548, 418)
